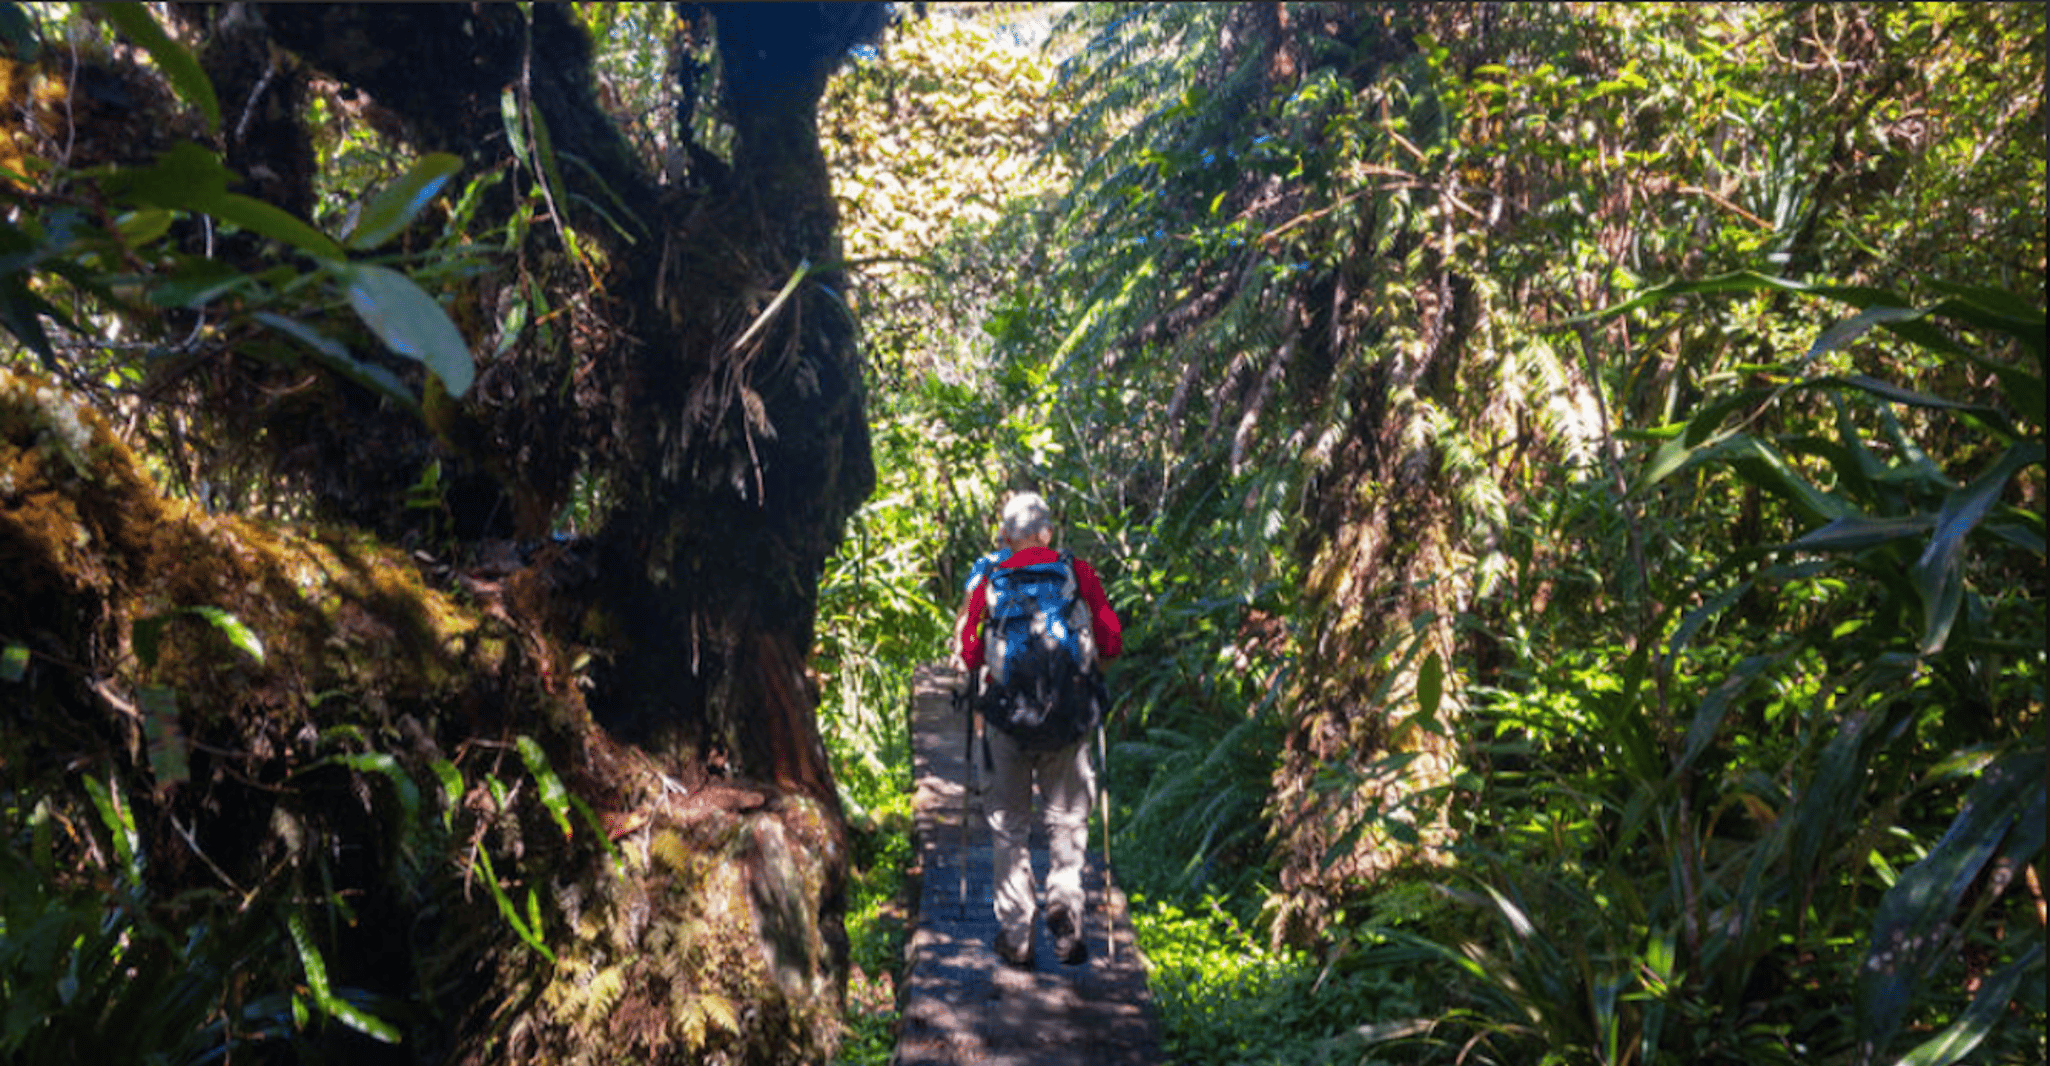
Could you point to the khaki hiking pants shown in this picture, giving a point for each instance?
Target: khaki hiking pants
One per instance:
(1067, 790)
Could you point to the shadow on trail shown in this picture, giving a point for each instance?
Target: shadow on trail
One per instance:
(961, 1006)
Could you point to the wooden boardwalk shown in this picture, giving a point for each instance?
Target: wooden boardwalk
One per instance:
(962, 1007)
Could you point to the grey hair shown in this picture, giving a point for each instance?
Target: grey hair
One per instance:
(1025, 514)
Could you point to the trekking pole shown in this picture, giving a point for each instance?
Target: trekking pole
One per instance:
(1110, 943)
(970, 693)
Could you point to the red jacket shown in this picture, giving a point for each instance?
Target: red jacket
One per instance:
(1103, 622)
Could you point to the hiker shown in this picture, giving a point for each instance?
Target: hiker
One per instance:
(1048, 625)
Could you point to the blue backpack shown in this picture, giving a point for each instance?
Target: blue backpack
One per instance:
(1045, 690)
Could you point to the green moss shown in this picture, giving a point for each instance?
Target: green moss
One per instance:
(710, 947)
(703, 941)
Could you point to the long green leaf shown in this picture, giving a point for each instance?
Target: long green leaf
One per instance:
(1987, 1009)
(515, 128)
(1913, 327)
(335, 356)
(1857, 325)
(238, 633)
(179, 67)
(147, 633)
(408, 320)
(395, 206)
(188, 177)
(531, 935)
(606, 188)
(193, 282)
(120, 822)
(1691, 623)
(1624, 719)
(1857, 533)
(451, 790)
(323, 995)
(270, 221)
(1887, 390)
(2005, 313)
(1907, 931)
(1762, 465)
(1939, 574)
(553, 795)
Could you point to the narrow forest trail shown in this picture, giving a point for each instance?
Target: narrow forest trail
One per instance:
(962, 1008)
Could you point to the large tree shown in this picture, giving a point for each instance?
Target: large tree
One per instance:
(652, 355)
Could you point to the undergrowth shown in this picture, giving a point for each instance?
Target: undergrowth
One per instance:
(876, 930)
(1226, 999)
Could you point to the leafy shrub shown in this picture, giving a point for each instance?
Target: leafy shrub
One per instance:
(1825, 776)
(1225, 999)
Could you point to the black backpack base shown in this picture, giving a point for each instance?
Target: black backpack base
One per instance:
(1048, 704)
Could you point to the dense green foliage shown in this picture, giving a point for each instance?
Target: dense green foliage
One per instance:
(1582, 547)
(1572, 474)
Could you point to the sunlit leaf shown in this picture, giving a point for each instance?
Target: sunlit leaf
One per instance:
(315, 967)
(119, 820)
(233, 628)
(509, 329)
(408, 320)
(515, 126)
(398, 203)
(553, 795)
(146, 634)
(451, 790)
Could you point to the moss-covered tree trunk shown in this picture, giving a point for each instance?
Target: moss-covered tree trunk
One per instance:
(656, 668)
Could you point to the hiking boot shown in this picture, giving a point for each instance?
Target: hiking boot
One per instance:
(1068, 945)
(1018, 953)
